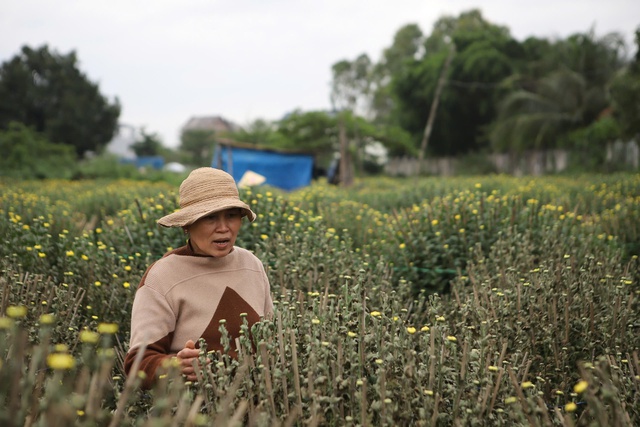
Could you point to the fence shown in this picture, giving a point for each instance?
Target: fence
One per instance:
(624, 155)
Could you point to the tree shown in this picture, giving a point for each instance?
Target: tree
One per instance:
(349, 87)
(542, 113)
(312, 131)
(258, 132)
(625, 94)
(537, 119)
(149, 144)
(199, 144)
(27, 154)
(406, 46)
(485, 55)
(46, 91)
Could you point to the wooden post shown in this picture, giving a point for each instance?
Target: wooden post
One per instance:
(434, 107)
(346, 175)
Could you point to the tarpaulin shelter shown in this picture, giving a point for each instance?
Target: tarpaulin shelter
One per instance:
(282, 169)
(155, 162)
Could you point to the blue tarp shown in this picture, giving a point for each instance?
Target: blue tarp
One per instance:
(155, 162)
(286, 171)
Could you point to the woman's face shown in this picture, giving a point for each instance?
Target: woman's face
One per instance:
(215, 234)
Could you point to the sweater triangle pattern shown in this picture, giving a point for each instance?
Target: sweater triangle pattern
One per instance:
(229, 308)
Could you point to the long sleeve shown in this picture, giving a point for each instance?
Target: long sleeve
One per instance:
(268, 301)
(153, 324)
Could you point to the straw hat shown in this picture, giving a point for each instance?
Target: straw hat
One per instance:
(205, 191)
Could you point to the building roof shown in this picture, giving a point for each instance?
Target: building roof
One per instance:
(217, 124)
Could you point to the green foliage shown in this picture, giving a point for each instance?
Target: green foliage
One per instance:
(350, 83)
(510, 95)
(313, 131)
(588, 145)
(46, 91)
(149, 144)
(199, 144)
(625, 91)
(27, 154)
(625, 94)
(485, 55)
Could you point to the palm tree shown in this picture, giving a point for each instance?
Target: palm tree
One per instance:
(570, 97)
(535, 119)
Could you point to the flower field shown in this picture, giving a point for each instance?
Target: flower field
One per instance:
(475, 301)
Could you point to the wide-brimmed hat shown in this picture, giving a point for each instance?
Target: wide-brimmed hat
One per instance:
(205, 191)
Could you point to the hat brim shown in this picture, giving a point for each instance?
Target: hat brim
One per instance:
(191, 214)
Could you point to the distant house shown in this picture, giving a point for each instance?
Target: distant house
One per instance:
(121, 143)
(217, 124)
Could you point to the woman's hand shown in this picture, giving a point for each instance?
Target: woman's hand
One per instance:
(186, 356)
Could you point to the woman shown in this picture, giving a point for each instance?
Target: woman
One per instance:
(183, 296)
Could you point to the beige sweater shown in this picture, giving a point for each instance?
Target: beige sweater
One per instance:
(183, 296)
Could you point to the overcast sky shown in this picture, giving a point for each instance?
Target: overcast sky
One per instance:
(246, 59)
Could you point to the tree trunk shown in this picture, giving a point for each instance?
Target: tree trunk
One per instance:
(434, 107)
(346, 174)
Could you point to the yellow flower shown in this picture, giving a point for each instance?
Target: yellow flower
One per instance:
(89, 337)
(511, 399)
(315, 321)
(434, 222)
(61, 348)
(493, 368)
(411, 330)
(85, 258)
(527, 384)
(452, 338)
(61, 361)
(428, 392)
(108, 328)
(402, 246)
(570, 407)
(127, 268)
(264, 236)
(425, 329)
(42, 254)
(351, 334)
(376, 314)
(70, 253)
(16, 311)
(580, 386)
(126, 285)
(5, 323)
(97, 283)
(47, 319)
